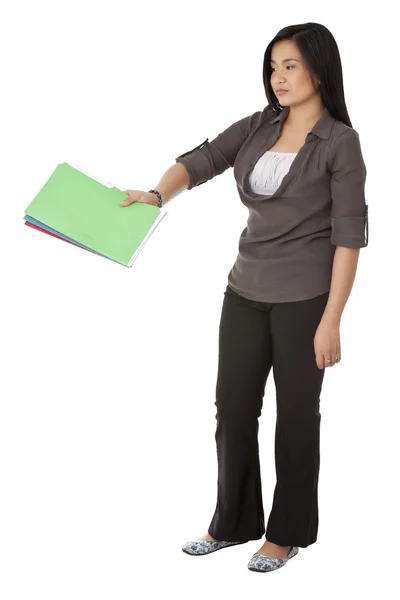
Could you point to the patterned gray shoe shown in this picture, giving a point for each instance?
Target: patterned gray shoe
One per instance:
(262, 564)
(199, 546)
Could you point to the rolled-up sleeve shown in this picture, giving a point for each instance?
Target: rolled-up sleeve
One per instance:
(213, 157)
(349, 215)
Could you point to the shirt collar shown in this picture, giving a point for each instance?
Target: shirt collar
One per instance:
(322, 127)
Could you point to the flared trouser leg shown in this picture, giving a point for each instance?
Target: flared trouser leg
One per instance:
(253, 337)
(245, 359)
(293, 520)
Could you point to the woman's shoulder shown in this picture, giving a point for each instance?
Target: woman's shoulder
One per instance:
(260, 117)
(341, 130)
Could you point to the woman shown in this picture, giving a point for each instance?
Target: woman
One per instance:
(299, 170)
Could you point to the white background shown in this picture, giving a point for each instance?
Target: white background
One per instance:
(107, 452)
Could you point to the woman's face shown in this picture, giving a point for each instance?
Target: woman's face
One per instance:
(291, 75)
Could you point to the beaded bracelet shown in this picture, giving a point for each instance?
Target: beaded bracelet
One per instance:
(160, 200)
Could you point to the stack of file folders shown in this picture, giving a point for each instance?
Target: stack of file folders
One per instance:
(83, 211)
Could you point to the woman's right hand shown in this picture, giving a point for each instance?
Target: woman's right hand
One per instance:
(139, 196)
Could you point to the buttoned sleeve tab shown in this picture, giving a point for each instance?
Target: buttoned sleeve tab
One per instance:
(349, 214)
(213, 157)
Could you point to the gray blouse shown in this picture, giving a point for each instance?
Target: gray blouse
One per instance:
(300, 207)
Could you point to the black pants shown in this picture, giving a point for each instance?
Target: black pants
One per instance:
(254, 336)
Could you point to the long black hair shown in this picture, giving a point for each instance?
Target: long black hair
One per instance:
(320, 54)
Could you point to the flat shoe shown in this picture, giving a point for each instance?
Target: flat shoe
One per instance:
(199, 546)
(262, 564)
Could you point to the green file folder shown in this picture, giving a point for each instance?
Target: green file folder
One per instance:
(89, 212)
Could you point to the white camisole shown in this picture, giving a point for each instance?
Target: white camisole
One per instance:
(269, 171)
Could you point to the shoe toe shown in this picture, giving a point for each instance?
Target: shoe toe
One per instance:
(262, 563)
(259, 562)
(200, 547)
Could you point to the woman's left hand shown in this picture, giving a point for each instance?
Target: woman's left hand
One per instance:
(327, 344)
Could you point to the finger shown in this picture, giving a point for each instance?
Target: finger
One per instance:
(335, 355)
(127, 201)
(320, 360)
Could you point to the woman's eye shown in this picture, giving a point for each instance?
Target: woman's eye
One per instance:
(272, 68)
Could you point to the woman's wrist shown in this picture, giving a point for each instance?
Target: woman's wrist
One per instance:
(157, 193)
